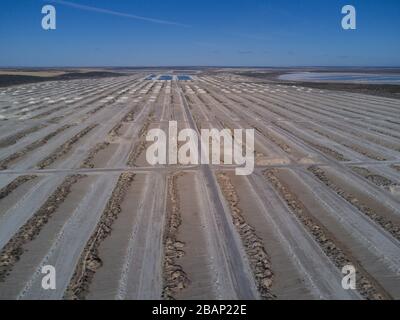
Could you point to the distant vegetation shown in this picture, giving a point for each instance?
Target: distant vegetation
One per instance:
(13, 79)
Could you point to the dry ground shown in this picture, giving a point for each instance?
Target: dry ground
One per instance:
(76, 192)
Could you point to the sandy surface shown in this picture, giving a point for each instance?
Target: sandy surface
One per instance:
(77, 192)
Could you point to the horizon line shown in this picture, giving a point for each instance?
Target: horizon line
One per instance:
(198, 66)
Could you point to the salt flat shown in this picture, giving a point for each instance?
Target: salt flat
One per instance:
(76, 191)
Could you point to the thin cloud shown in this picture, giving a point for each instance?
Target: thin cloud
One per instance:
(115, 13)
(245, 52)
(252, 36)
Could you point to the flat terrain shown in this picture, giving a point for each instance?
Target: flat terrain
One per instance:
(376, 89)
(77, 193)
(12, 77)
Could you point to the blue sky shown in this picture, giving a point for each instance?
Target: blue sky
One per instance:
(200, 32)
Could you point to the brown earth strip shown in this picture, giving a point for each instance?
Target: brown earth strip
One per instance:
(385, 223)
(65, 148)
(130, 116)
(376, 179)
(141, 145)
(4, 192)
(335, 250)
(105, 104)
(6, 162)
(384, 133)
(9, 141)
(279, 142)
(88, 162)
(258, 257)
(13, 250)
(332, 153)
(90, 260)
(327, 151)
(175, 279)
(115, 131)
(47, 113)
(357, 149)
(374, 139)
